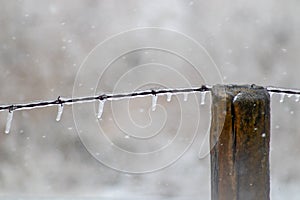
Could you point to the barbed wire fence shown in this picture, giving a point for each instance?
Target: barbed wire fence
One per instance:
(60, 101)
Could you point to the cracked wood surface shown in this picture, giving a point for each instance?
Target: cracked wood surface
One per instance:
(240, 137)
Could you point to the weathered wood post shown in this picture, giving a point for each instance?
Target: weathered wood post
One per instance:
(240, 146)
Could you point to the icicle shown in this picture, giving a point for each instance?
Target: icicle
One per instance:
(282, 95)
(100, 108)
(185, 96)
(154, 101)
(290, 95)
(169, 97)
(271, 94)
(203, 94)
(297, 98)
(8, 121)
(60, 110)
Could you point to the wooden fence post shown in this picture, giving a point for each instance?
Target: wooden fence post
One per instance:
(240, 149)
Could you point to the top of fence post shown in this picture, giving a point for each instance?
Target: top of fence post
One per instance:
(240, 150)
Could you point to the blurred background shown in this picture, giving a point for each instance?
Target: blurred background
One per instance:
(44, 43)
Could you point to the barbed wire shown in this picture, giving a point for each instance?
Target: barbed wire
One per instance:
(60, 102)
(69, 101)
(283, 90)
(102, 97)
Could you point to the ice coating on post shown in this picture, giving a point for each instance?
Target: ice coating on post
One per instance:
(8, 121)
(60, 109)
(154, 102)
(100, 108)
(185, 96)
(169, 97)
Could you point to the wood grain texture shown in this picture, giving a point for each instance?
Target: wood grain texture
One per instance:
(240, 145)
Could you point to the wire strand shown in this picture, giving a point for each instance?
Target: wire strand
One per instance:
(70, 101)
(102, 97)
(283, 90)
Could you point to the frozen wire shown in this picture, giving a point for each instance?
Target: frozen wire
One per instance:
(287, 91)
(71, 101)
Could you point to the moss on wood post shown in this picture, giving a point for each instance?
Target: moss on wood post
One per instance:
(240, 145)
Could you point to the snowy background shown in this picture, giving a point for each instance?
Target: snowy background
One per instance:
(43, 44)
